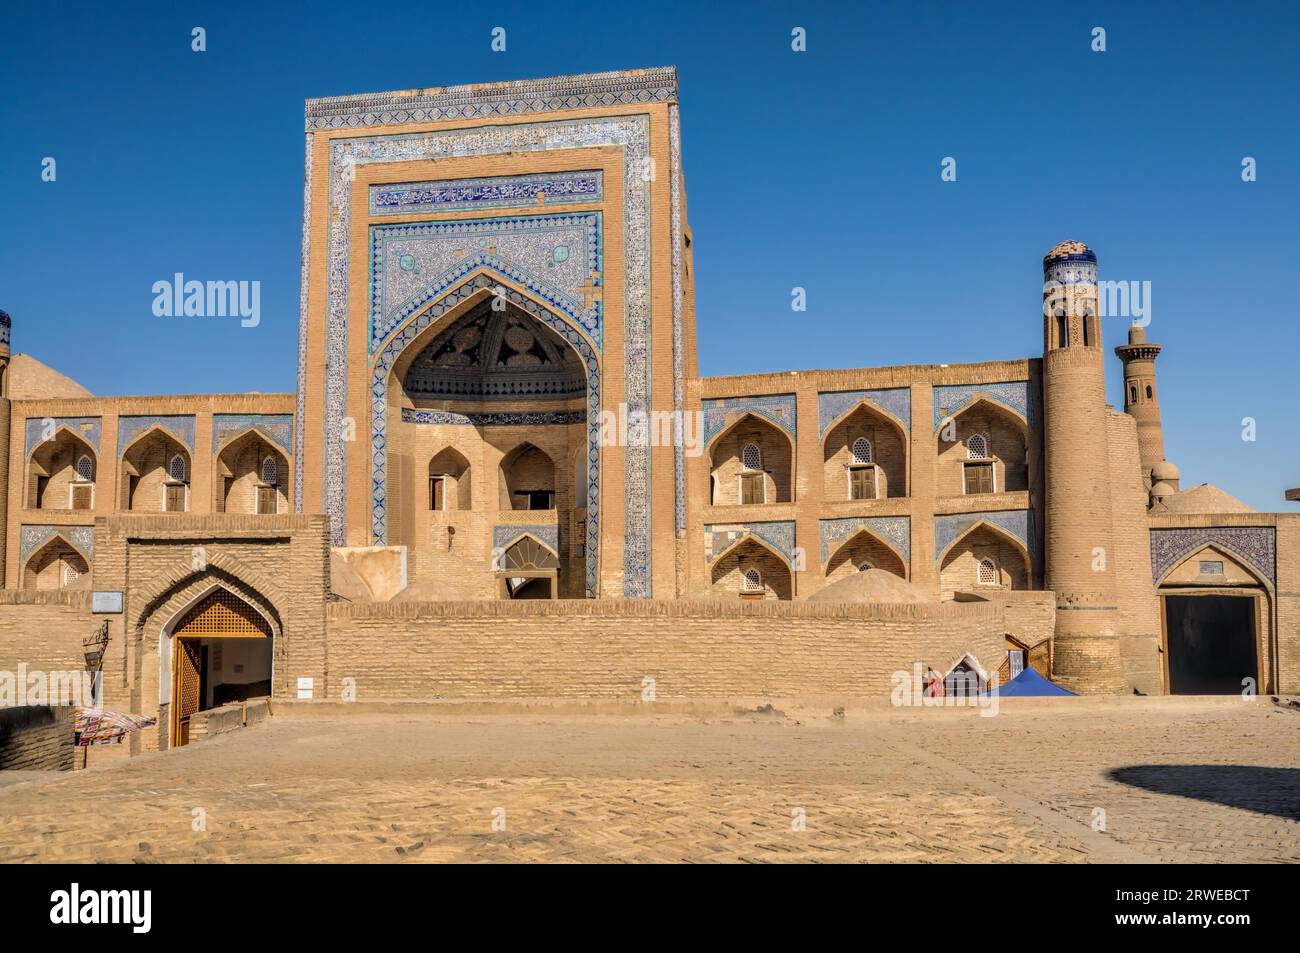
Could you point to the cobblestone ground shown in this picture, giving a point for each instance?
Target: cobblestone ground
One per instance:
(1185, 780)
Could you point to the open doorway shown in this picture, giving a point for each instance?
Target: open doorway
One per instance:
(221, 653)
(1210, 644)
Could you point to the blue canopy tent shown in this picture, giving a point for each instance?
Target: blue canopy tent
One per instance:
(1030, 683)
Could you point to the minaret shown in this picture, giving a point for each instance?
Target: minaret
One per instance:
(1142, 398)
(5, 327)
(1080, 566)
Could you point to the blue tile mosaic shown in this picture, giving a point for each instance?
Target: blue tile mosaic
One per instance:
(32, 538)
(1014, 395)
(1255, 545)
(778, 409)
(779, 534)
(276, 428)
(1017, 523)
(130, 428)
(503, 537)
(894, 401)
(494, 419)
(894, 531)
(507, 191)
(40, 429)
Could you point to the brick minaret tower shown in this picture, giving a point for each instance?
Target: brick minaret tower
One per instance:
(1080, 566)
(5, 327)
(1142, 399)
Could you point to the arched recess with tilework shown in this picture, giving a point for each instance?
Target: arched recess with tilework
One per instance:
(864, 548)
(737, 477)
(1001, 432)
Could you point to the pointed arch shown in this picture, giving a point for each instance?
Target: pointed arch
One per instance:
(53, 469)
(1016, 542)
(878, 551)
(527, 478)
(404, 344)
(1001, 432)
(751, 551)
(45, 567)
(240, 485)
(222, 567)
(961, 562)
(733, 483)
(1196, 551)
(885, 475)
(146, 471)
(450, 475)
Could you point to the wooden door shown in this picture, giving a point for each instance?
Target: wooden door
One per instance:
(186, 688)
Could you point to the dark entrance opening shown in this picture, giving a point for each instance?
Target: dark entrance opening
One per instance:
(1211, 643)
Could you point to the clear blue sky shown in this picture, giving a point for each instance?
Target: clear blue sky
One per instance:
(818, 169)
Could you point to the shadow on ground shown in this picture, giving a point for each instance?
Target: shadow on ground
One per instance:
(1250, 787)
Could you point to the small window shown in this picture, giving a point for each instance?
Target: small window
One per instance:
(751, 580)
(751, 458)
(85, 468)
(979, 478)
(81, 496)
(1132, 395)
(176, 469)
(988, 572)
(1211, 567)
(977, 447)
(1062, 332)
(861, 451)
(753, 488)
(862, 483)
(1087, 339)
(70, 574)
(270, 472)
(534, 500)
(1149, 392)
(863, 567)
(437, 498)
(1016, 658)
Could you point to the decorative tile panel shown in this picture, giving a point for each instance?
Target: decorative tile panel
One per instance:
(779, 534)
(1256, 545)
(487, 100)
(1014, 395)
(87, 428)
(505, 191)
(276, 428)
(129, 428)
(542, 418)
(679, 383)
(504, 537)
(32, 538)
(630, 133)
(556, 258)
(896, 531)
(1018, 523)
(300, 403)
(778, 409)
(895, 401)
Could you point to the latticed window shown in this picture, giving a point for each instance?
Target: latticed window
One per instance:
(863, 567)
(977, 447)
(861, 451)
(988, 572)
(269, 474)
(176, 468)
(70, 574)
(751, 458)
(85, 468)
(751, 580)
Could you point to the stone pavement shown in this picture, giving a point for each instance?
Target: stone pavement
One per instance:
(1177, 780)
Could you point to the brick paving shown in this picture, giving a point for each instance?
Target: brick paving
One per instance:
(913, 786)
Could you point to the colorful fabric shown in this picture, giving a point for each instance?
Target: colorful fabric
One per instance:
(94, 726)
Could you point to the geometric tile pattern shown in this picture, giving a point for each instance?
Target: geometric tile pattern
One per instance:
(895, 531)
(179, 427)
(779, 534)
(504, 536)
(895, 401)
(276, 428)
(1257, 545)
(555, 257)
(33, 538)
(87, 428)
(511, 418)
(1018, 523)
(506, 191)
(778, 409)
(679, 379)
(1014, 395)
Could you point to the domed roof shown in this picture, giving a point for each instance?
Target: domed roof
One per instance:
(1206, 498)
(870, 586)
(1070, 249)
(1162, 490)
(1164, 470)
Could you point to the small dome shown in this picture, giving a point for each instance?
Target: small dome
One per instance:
(1070, 250)
(1164, 470)
(1162, 490)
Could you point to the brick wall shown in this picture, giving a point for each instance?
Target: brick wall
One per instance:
(37, 738)
(603, 649)
(44, 630)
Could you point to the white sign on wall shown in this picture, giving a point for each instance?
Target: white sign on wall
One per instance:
(305, 686)
(104, 602)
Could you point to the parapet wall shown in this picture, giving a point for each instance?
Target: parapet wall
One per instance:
(606, 649)
(44, 629)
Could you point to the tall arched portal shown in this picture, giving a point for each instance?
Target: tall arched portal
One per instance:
(484, 415)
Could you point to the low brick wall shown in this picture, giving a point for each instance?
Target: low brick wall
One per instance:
(604, 649)
(37, 738)
(44, 629)
(227, 718)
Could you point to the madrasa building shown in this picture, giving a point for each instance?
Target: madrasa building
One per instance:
(501, 474)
